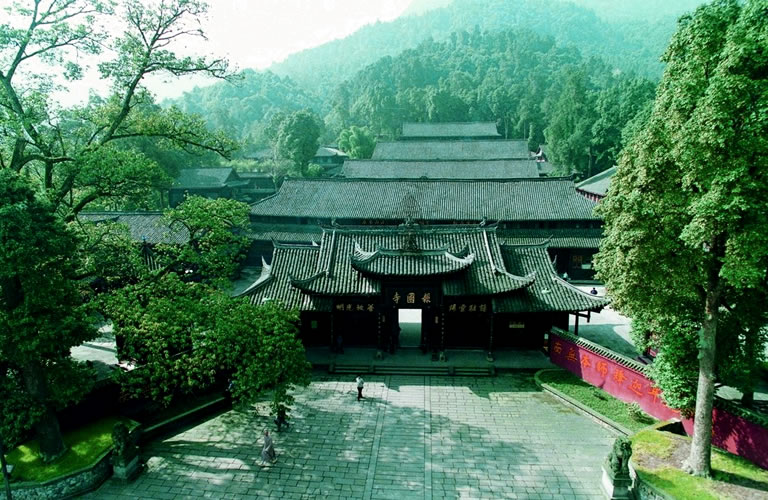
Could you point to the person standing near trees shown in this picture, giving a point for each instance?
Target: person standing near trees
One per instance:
(268, 455)
(360, 384)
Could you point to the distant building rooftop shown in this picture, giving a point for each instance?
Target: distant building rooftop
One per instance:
(486, 130)
(536, 199)
(597, 185)
(203, 178)
(452, 150)
(454, 169)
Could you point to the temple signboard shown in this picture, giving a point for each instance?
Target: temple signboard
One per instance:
(411, 297)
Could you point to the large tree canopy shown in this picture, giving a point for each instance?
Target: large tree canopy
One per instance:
(72, 159)
(180, 328)
(686, 246)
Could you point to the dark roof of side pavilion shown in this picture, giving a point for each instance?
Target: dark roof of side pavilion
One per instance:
(598, 184)
(466, 259)
(149, 227)
(569, 237)
(493, 149)
(549, 292)
(454, 169)
(541, 199)
(450, 130)
(204, 178)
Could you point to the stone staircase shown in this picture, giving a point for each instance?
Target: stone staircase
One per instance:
(387, 369)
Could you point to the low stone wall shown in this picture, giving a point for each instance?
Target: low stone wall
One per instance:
(643, 490)
(74, 484)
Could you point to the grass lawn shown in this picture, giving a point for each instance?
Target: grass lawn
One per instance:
(657, 456)
(84, 445)
(596, 399)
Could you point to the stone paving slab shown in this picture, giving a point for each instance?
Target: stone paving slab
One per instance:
(415, 437)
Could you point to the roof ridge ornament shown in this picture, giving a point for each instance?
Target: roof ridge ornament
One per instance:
(410, 244)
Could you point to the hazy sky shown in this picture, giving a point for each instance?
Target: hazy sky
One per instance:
(256, 33)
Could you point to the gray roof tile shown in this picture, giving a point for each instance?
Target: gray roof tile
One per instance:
(452, 150)
(545, 199)
(548, 292)
(446, 130)
(458, 169)
(150, 227)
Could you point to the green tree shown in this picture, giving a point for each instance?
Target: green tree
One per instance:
(357, 142)
(569, 133)
(265, 354)
(297, 138)
(180, 328)
(73, 157)
(686, 233)
(41, 315)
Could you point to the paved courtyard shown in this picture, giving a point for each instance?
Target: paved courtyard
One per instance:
(412, 437)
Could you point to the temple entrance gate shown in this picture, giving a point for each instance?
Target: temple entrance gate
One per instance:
(410, 322)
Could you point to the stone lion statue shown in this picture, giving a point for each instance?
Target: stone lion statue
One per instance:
(125, 448)
(618, 460)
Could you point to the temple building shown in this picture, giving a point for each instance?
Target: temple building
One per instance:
(527, 210)
(473, 291)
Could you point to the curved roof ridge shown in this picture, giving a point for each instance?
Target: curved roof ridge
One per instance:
(264, 278)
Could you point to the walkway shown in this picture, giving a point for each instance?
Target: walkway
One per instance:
(412, 437)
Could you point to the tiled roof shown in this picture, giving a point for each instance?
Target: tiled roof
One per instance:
(452, 150)
(287, 233)
(545, 199)
(397, 262)
(149, 227)
(556, 238)
(329, 151)
(446, 130)
(274, 282)
(458, 169)
(334, 273)
(597, 184)
(548, 292)
(467, 259)
(201, 178)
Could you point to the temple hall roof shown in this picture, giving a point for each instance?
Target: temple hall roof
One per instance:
(497, 149)
(442, 169)
(149, 227)
(549, 293)
(203, 178)
(350, 262)
(450, 130)
(541, 199)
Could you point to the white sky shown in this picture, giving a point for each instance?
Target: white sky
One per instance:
(256, 33)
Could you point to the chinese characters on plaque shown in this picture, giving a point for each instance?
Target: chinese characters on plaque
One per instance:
(412, 298)
(460, 308)
(356, 307)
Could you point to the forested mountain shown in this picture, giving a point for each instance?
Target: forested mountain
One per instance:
(242, 107)
(532, 87)
(625, 34)
(545, 70)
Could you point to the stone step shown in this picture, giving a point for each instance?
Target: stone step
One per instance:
(465, 371)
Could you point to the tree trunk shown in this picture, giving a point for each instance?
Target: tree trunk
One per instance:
(698, 462)
(47, 426)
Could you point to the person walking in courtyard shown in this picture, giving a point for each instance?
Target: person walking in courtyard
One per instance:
(593, 291)
(360, 384)
(268, 455)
